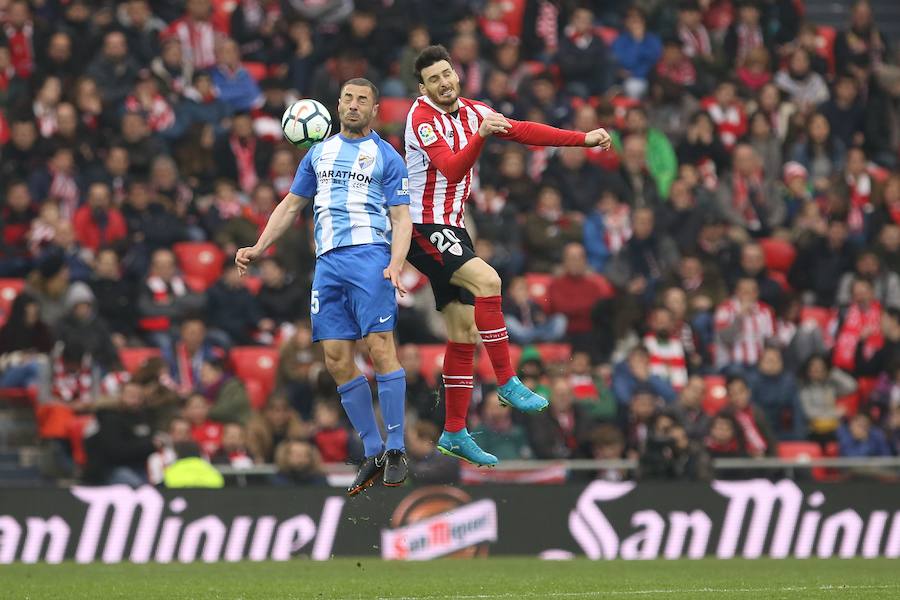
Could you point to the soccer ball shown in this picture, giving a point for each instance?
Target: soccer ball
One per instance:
(306, 122)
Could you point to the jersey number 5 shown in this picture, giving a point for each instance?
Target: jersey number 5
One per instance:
(314, 302)
(445, 240)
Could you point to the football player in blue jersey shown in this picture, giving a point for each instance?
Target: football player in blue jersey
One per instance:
(358, 186)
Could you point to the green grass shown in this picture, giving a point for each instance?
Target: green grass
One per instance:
(461, 579)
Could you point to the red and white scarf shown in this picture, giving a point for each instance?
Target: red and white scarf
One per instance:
(860, 205)
(695, 42)
(246, 165)
(21, 48)
(160, 115)
(754, 440)
(617, 227)
(65, 190)
(186, 365)
(855, 321)
(747, 40)
(547, 25)
(740, 199)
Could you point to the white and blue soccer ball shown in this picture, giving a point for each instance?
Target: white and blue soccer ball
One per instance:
(306, 122)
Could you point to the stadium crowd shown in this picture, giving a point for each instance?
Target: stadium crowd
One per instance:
(724, 281)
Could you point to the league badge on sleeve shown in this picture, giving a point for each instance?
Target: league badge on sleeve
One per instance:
(427, 134)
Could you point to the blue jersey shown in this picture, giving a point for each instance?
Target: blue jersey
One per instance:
(352, 182)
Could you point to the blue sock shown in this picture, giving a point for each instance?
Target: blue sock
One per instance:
(392, 398)
(356, 397)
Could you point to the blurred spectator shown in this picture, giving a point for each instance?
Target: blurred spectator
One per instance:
(257, 27)
(233, 451)
(753, 266)
(240, 156)
(660, 157)
(84, 325)
(225, 393)
(755, 429)
(681, 218)
(803, 86)
(574, 294)
(635, 373)
(887, 246)
(820, 152)
(742, 324)
(745, 34)
(298, 463)
(141, 29)
(204, 431)
(591, 388)
(582, 56)
(117, 453)
(195, 31)
(21, 154)
(177, 431)
(426, 464)
(608, 443)
(672, 455)
(882, 360)
(113, 294)
(548, 229)
(760, 137)
(48, 285)
(138, 140)
(497, 433)
(702, 147)
(282, 298)
(164, 301)
(724, 441)
(606, 229)
(820, 388)
(58, 182)
(525, 319)
(635, 180)
(639, 413)
(845, 112)
(421, 398)
(191, 469)
(819, 260)
(636, 51)
(756, 71)
(687, 328)
(575, 178)
(645, 260)
(24, 338)
(727, 112)
(77, 259)
(233, 82)
(885, 283)
(858, 438)
(861, 46)
(113, 70)
(331, 438)
(688, 409)
(233, 312)
(97, 222)
(299, 366)
(202, 103)
(695, 39)
(747, 197)
(268, 428)
(147, 99)
(665, 349)
(419, 39)
(15, 219)
(859, 324)
(775, 391)
(560, 431)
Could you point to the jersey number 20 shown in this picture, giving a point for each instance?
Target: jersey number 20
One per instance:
(445, 240)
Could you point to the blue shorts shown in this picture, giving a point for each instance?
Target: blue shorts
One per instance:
(350, 296)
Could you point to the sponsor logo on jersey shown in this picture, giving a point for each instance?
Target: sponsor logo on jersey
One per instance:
(427, 134)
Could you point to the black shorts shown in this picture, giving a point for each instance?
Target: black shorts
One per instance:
(438, 251)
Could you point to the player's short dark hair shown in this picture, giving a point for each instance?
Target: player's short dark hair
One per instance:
(362, 81)
(428, 57)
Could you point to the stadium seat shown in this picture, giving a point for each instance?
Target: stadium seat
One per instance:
(555, 353)
(393, 111)
(256, 363)
(432, 356)
(252, 283)
(133, 359)
(825, 37)
(256, 392)
(78, 426)
(607, 34)
(538, 286)
(779, 254)
(803, 451)
(824, 319)
(716, 396)
(9, 289)
(199, 261)
(257, 70)
(850, 402)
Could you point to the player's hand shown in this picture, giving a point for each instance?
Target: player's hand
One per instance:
(492, 124)
(392, 273)
(244, 257)
(598, 137)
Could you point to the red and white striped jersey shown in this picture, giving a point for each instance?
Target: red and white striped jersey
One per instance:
(667, 360)
(740, 338)
(441, 151)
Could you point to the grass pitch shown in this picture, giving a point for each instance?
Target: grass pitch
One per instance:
(506, 578)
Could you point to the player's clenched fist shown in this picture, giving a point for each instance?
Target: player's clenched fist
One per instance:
(493, 123)
(244, 257)
(598, 137)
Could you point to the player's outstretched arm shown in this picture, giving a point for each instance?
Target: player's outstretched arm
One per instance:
(281, 219)
(538, 134)
(401, 234)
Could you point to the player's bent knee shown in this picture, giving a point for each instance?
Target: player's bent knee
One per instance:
(487, 283)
